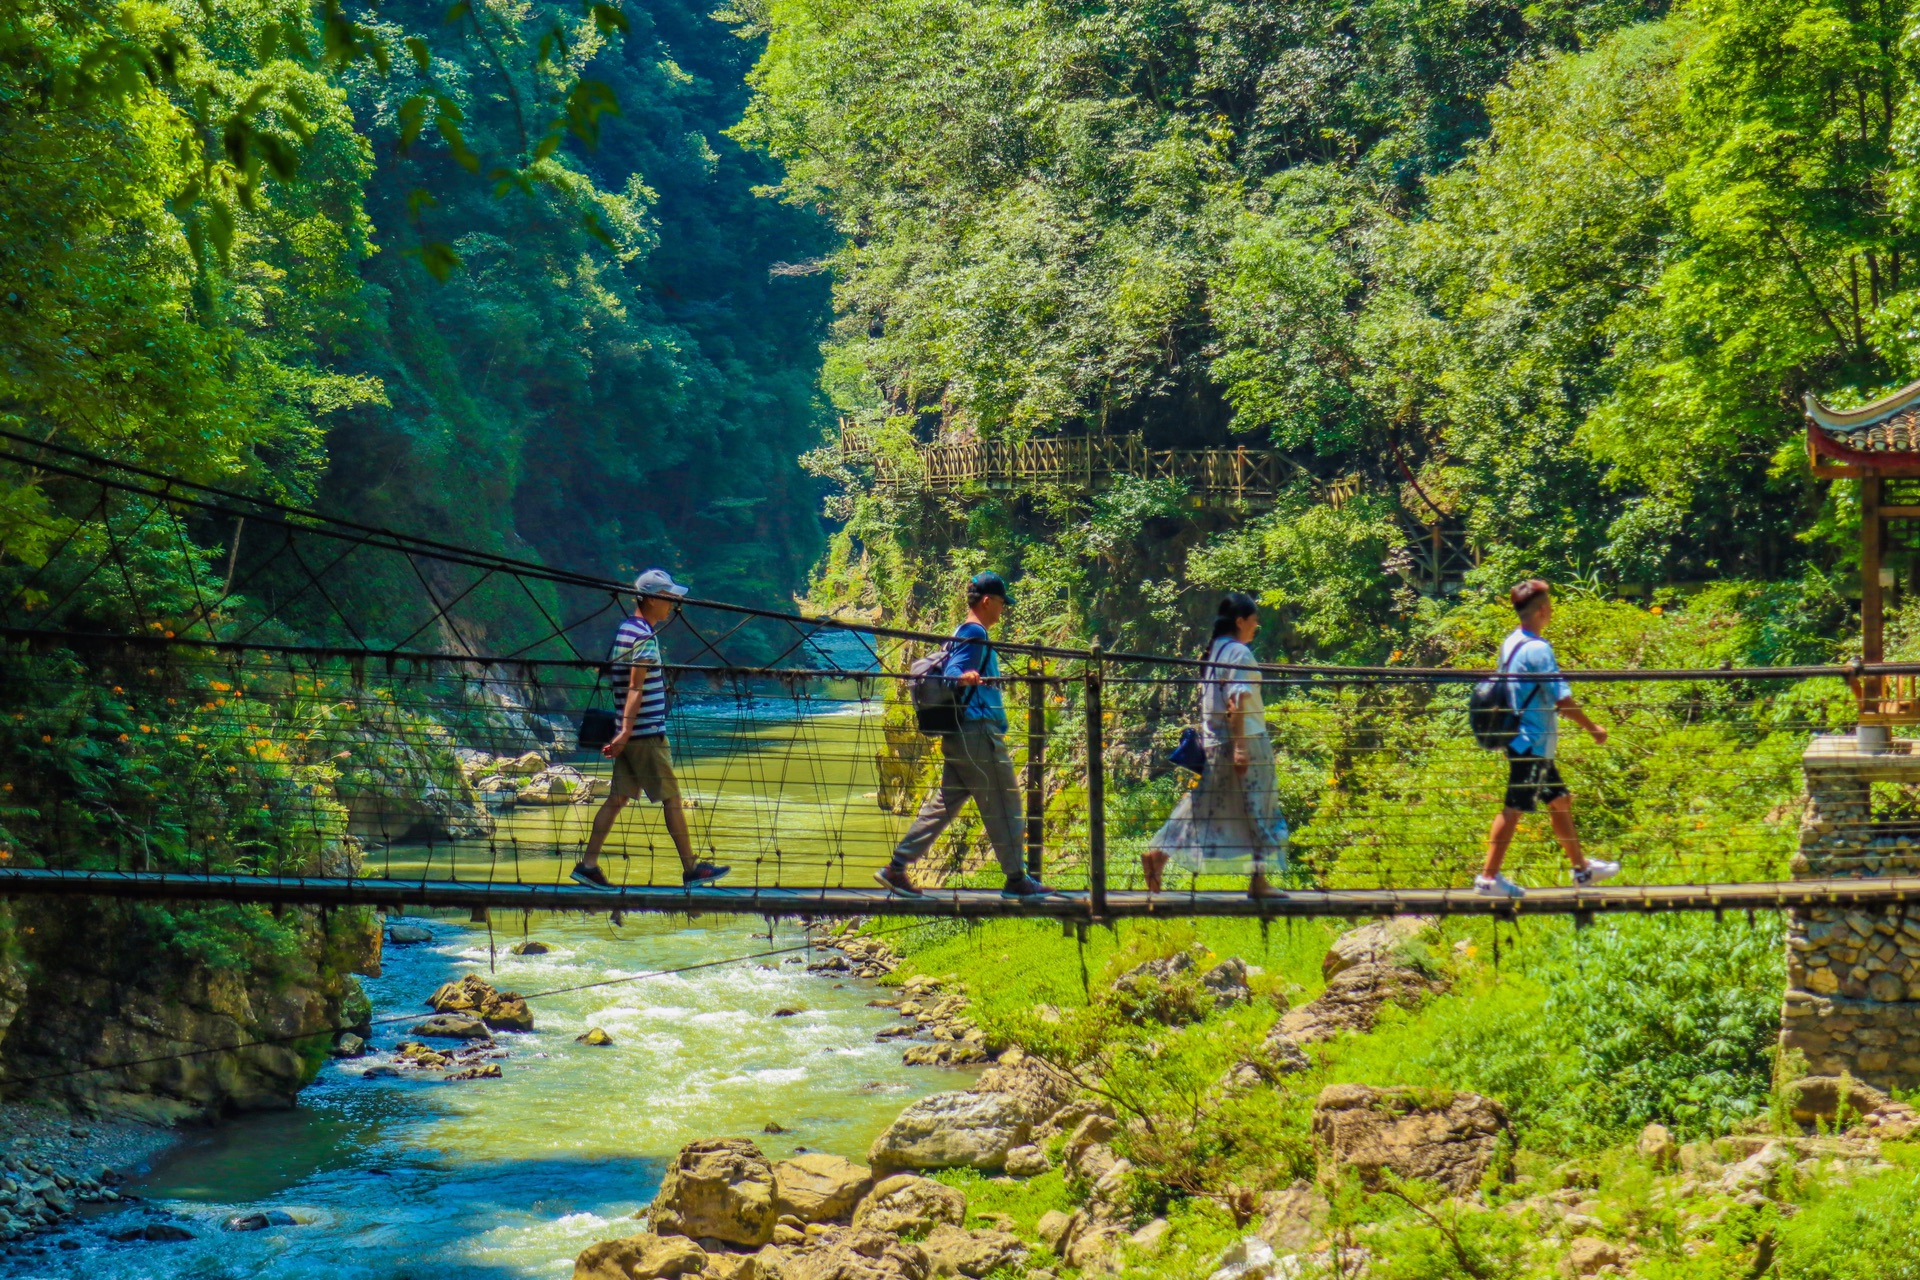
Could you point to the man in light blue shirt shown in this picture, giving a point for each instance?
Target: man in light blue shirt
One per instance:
(1533, 777)
(976, 764)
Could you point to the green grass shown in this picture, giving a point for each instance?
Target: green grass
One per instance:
(1009, 966)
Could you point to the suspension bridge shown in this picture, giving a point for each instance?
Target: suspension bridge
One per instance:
(209, 696)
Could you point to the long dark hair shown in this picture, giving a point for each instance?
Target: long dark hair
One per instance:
(1234, 606)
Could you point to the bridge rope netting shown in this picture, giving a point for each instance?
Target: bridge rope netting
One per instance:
(197, 683)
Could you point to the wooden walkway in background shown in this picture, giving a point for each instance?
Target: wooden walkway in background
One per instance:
(974, 904)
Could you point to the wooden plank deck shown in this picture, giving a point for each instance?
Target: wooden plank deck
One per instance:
(950, 903)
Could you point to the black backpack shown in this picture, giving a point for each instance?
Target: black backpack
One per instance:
(1491, 714)
(936, 698)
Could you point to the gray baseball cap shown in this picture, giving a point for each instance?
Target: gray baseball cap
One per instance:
(658, 582)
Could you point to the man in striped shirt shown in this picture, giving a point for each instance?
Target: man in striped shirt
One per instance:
(641, 762)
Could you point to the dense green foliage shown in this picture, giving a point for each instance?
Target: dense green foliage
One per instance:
(224, 226)
(1559, 274)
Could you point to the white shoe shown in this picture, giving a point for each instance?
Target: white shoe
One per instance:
(1596, 870)
(1497, 887)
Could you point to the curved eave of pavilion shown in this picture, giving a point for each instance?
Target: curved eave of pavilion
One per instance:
(1882, 437)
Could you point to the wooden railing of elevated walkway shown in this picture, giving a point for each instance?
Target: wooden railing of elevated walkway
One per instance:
(1251, 476)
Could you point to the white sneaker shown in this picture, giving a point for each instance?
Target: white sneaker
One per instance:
(1497, 887)
(1596, 870)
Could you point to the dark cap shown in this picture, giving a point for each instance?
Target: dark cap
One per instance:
(989, 584)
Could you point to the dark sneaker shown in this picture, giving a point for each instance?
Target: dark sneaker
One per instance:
(703, 873)
(896, 879)
(591, 877)
(1026, 887)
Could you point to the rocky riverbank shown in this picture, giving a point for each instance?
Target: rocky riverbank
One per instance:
(1442, 1168)
(50, 1164)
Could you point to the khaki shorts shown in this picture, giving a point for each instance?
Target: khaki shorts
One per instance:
(644, 765)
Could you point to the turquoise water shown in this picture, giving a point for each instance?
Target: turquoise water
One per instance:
(395, 1179)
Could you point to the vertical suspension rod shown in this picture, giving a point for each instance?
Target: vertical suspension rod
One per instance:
(1036, 766)
(1096, 791)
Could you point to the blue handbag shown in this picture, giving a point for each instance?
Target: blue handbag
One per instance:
(1189, 755)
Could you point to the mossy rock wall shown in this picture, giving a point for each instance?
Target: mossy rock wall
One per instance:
(107, 985)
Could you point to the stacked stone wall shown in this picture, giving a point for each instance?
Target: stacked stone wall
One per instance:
(1853, 975)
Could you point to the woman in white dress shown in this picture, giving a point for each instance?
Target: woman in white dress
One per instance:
(1232, 818)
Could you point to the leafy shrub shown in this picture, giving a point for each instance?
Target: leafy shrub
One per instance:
(1871, 1231)
(1587, 1035)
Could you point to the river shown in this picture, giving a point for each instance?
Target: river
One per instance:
(409, 1178)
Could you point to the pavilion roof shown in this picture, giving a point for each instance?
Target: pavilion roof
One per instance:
(1882, 436)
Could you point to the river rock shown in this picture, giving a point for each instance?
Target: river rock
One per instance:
(815, 1187)
(260, 1220)
(500, 1010)
(953, 1130)
(1027, 1162)
(594, 1036)
(949, 1053)
(529, 947)
(348, 1045)
(953, 1252)
(1352, 1001)
(1292, 1220)
(1440, 1137)
(1382, 942)
(642, 1257)
(907, 1202)
(407, 935)
(490, 1071)
(718, 1187)
(525, 765)
(729, 1266)
(153, 1233)
(1587, 1255)
(451, 1026)
(1039, 1089)
(1657, 1146)
(863, 1255)
(1823, 1099)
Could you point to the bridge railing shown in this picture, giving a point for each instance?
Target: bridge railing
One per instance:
(172, 755)
(202, 681)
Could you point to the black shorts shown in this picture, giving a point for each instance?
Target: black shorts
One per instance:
(1532, 781)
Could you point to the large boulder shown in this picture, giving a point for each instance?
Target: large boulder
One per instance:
(815, 1187)
(451, 1026)
(862, 1255)
(474, 995)
(1292, 1220)
(718, 1188)
(1352, 1001)
(1039, 1089)
(1445, 1138)
(642, 1257)
(1174, 989)
(1383, 942)
(1830, 1100)
(953, 1130)
(906, 1202)
(953, 1252)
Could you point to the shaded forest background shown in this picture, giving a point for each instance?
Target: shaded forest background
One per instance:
(342, 258)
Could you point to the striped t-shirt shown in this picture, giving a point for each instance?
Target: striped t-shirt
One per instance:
(634, 645)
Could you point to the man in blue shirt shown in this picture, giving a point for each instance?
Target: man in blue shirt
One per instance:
(977, 762)
(1533, 778)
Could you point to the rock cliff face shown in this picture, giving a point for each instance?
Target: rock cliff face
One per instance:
(95, 984)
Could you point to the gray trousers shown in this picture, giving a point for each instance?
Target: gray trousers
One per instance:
(977, 765)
